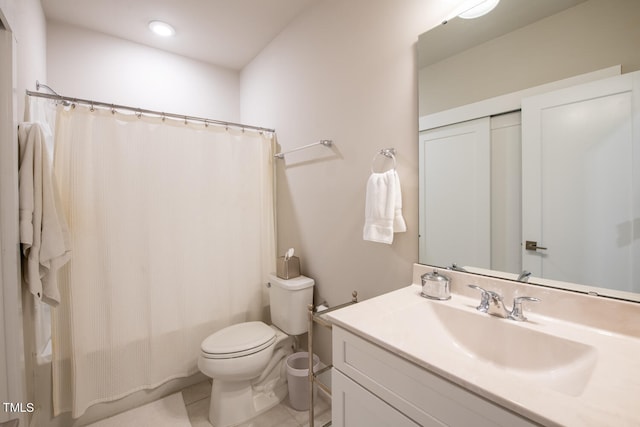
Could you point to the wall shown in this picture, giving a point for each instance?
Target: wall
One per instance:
(590, 36)
(27, 21)
(344, 70)
(90, 65)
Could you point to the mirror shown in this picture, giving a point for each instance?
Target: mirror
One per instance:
(522, 44)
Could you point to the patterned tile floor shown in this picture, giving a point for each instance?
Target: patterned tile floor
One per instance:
(196, 398)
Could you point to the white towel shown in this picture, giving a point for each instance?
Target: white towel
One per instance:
(44, 235)
(41, 111)
(399, 226)
(383, 208)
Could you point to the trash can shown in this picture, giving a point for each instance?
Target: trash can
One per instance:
(298, 379)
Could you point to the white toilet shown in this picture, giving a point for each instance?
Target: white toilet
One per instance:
(246, 360)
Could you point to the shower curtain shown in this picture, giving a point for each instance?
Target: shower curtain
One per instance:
(172, 228)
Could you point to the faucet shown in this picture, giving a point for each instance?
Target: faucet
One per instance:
(524, 276)
(454, 267)
(496, 305)
(492, 303)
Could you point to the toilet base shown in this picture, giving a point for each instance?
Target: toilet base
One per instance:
(241, 402)
(236, 402)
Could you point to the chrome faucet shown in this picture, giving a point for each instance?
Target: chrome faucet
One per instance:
(516, 311)
(496, 305)
(454, 267)
(524, 276)
(492, 303)
(484, 301)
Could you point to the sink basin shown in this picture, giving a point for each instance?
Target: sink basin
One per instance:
(555, 362)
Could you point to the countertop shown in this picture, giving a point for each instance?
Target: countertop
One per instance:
(403, 322)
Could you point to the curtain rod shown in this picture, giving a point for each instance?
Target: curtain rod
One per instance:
(114, 107)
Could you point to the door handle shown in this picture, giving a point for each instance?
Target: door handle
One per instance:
(531, 245)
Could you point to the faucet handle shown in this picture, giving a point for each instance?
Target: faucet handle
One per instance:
(516, 311)
(484, 298)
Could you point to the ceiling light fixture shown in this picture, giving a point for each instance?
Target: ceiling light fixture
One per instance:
(161, 28)
(479, 9)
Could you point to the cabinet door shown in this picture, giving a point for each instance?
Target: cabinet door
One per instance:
(354, 406)
(581, 191)
(455, 222)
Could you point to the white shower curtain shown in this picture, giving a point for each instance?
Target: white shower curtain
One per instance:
(172, 230)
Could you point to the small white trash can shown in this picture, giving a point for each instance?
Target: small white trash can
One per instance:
(298, 379)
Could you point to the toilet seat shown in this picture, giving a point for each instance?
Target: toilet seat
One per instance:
(238, 340)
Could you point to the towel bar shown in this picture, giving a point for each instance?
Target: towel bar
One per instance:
(325, 142)
(317, 317)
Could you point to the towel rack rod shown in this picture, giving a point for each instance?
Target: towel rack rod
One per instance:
(325, 142)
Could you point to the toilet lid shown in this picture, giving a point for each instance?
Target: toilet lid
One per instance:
(238, 340)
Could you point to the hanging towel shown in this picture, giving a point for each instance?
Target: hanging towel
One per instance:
(383, 208)
(41, 111)
(399, 226)
(44, 235)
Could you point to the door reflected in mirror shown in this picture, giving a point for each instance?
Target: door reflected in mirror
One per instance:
(561, 171)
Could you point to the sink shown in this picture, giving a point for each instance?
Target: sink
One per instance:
(574, 362)
(555, 362)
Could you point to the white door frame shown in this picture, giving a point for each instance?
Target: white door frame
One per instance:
(12, 358)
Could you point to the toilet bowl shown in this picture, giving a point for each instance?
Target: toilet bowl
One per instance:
(246, 360)
(238, 352)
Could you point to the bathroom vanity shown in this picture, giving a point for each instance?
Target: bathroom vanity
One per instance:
(404, 360)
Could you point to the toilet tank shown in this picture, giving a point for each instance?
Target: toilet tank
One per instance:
(289, 301)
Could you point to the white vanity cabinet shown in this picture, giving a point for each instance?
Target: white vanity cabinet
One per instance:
(353, 405)
(375, 387)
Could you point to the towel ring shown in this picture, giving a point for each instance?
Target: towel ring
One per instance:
(388, 153)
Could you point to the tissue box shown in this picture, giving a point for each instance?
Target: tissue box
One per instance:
(288, 269)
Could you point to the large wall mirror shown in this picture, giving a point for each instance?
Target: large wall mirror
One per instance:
(507, 103)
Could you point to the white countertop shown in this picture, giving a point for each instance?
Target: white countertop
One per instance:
(408, 325)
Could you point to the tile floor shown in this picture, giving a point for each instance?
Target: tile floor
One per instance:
(196, 398)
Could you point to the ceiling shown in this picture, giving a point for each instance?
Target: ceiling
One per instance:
(228, 33)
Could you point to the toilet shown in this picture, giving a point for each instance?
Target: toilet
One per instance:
(246, 360)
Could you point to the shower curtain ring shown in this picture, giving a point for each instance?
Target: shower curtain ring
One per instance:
(206, 124)
(113, 109)
(92, 109)
(139, 114)
(164, 116)
(185, 120)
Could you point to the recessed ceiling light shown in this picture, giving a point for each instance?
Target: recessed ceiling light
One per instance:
(479, 9)
(161, 28)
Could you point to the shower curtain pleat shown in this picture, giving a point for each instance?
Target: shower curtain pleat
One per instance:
(172, 230)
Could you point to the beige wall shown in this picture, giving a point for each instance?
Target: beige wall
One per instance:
(345, 71)
(27, 22)
(593, 35)
(90, 65)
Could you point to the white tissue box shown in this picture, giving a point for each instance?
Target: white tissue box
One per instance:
(288, 268)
